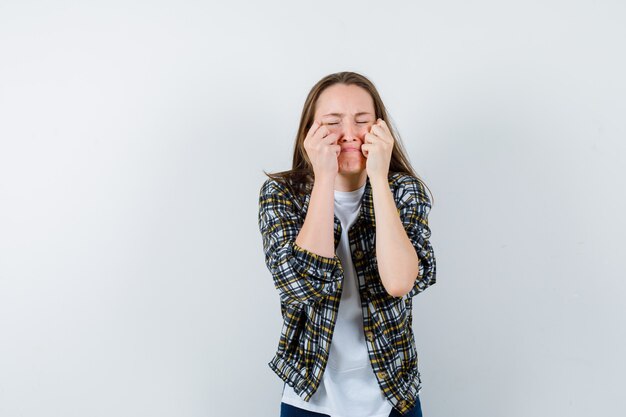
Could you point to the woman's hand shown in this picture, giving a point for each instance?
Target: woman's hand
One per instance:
(322, 149)
(377, 149)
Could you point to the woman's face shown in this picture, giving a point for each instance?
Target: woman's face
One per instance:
(347, 110)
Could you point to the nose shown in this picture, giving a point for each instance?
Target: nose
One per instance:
(349, 133)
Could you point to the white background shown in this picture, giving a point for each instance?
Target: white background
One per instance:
(133, 136)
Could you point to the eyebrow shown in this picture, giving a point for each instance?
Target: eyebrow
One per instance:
(341, 114)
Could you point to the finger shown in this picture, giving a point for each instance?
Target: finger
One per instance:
(386, 127)
(330, 139)
(381, 133)
(370, 138)
(383, 124)
(313, 129)
(376, 130)
(365, 149)
(322, 133)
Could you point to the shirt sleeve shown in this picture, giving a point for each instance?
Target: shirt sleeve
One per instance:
(414, 209)
(300, 276)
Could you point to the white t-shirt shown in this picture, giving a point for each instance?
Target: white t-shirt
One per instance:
(349, 387)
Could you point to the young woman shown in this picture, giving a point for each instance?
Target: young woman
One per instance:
(346, 238)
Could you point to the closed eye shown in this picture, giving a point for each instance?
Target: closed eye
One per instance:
(338, 123)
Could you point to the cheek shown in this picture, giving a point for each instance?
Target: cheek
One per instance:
(362, 130)
(333, 128)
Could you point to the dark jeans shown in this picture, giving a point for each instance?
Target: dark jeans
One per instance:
(288, 410)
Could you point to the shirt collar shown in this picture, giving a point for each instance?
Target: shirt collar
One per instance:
(366, 213)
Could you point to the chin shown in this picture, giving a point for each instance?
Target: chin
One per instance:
(351, 169)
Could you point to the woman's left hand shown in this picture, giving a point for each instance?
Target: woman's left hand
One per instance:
(377, 149)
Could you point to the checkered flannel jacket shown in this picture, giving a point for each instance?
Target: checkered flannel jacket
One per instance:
(309, 286)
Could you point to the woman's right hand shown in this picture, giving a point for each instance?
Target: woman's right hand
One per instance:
(322, 149)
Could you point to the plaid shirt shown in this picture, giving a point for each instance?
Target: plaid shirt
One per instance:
(309, 286)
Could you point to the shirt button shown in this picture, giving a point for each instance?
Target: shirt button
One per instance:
(369, 336)
(358, 254)
(382, 375)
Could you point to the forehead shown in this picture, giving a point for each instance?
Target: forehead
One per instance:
(346, 99)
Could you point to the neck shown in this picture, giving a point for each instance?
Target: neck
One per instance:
(350, 182)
